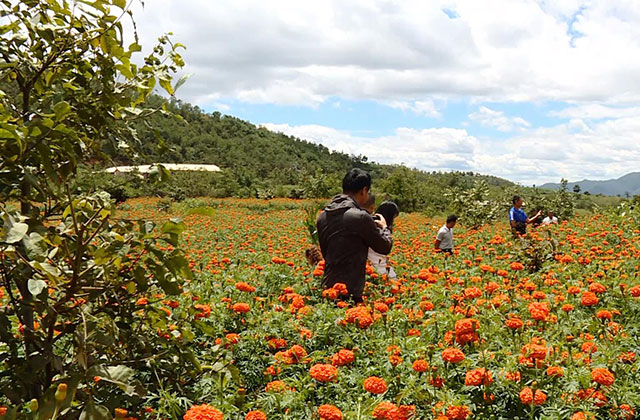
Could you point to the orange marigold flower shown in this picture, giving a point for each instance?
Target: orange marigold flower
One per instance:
(452, 355)
(241, 307)
(527, 397)
(626, 412)
(255, 415)
(323, 372)
(203, 412)
(573, 290)
(342, 358)
(381, 307)
(232, 338)
(375, 385)
(413, 332)
(405, 412)
(516, 266)
(604, 314)
(567, 307)
(142, 301)
(514, 323)
(635, 291)
(395, 359)
(602, 376)
(597, 288)
(466, 325)
(275, 386)
(491, 287)
(477, 377)
(539, 310)
(297, 352)
(472, 292)
(458, 412)
(245, 287)
(329, 412)
(420, 365)
(385, 411)
(589, 299)
(360, 315)
(556, 371)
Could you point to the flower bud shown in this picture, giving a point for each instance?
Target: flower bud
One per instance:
(33, 405)
(61, 392)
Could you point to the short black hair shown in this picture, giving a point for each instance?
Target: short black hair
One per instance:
(355, 180)
(452, 218)
(370, 201)
(515, 198)
(389, 210)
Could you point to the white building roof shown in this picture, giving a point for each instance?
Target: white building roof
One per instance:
(145, 169)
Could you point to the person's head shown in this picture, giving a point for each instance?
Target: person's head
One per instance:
(451, 221)
(370, 204)
(389, 210)
(550, 213)
(357, 184)
(517, 201)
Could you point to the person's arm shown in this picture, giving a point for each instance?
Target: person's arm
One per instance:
(532, 219)
(439, 238)
(512, 219)
(378, 239)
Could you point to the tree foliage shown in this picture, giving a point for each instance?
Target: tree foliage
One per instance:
(73, 272)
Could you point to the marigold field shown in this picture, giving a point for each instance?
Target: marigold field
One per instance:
(494, 332)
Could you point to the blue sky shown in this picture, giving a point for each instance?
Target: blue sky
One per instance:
(529, 90)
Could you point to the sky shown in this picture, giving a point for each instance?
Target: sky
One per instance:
(529, 90)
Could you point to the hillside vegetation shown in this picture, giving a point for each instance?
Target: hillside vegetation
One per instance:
(259, 163)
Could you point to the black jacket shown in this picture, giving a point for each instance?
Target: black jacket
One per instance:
(346, 233)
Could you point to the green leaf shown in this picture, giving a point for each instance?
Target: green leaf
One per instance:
(203, 210)
(36, 286)
(179, 266)
(166, 85)
(173, 226)
(118, 375)
(62, 109)
(15, 232)
(95, 412)
(182, 80)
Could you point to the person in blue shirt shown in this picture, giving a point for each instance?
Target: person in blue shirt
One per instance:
(518, 219)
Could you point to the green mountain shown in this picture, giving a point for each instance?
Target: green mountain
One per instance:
(256, 162)
(625, 186)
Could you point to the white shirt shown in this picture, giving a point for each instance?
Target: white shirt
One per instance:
(379, 262)
(547, 220)
(445, 236)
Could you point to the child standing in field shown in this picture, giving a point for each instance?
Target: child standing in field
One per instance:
(389, 211)
(444, 238)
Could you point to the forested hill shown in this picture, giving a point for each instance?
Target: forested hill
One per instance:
(251, 153)
(256, 162)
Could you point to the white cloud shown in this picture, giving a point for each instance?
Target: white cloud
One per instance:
(426, 108)
(492, 118)
(286, 51)
(596, 111)
(429, 149)
(573, 150)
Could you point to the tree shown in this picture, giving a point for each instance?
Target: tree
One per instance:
(403, 188)
(74, 274)
(576, 189)
(474, 206)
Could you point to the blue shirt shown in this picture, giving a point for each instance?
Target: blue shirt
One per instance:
(517, 214)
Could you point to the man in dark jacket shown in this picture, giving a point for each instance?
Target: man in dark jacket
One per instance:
(346, 232)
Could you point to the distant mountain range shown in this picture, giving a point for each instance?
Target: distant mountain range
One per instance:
(628, 184)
